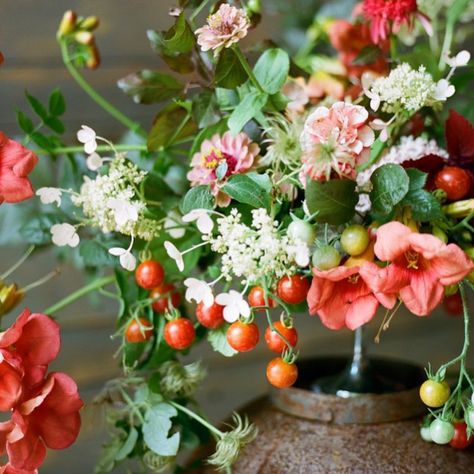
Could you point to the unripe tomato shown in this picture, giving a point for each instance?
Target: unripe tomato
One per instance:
(426, 434)
(281, 374)
(441, 432)
(355, 239)
(149, 274)
(293, 289)
(326, 257)
(161, 296)
(274, 342)
(302, 230)
(469, 416)
(434, 394)
(257, 298)
(139, 332)
(367, 255)
(179, 333)
(452, 304)
(211, 317)
(243, 337)
(454, 181)
(460, 439)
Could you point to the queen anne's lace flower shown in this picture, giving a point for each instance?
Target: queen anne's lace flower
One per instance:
(224, 28)
(110, 201)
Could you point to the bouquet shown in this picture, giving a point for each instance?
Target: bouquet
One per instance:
(335, 179)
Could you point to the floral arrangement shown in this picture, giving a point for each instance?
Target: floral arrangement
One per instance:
(333, 180)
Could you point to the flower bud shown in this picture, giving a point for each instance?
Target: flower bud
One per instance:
(440, 233)
(90, 23)
(459, 208)
(10, 296)
(93, 58)
(84, 37)
(68, 24)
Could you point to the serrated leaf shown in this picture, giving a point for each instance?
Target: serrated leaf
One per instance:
(24, 122)
(199, 197)
(37, 106)
(272, 70)
(246, 190)
(229, 71)
(250, 106)
(218, 340)
(334, 201)
(156, 427)
(56, 104)
(148, 87)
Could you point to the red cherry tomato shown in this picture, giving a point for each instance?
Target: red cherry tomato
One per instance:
(257, 298)
(243, 337)
(281, 374)
(212, 317)
(460, 439)
(293, 289)
(275, 343)
(149, 274)
(179, 333)
(139, 332)
(455, 181)
(452, 304)
(161, 296)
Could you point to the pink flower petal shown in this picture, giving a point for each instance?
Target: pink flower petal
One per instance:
(392, 241)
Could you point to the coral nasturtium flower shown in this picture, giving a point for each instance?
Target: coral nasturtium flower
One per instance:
(419, 269)
(342, 298)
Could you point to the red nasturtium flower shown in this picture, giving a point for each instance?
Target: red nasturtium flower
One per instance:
(16, 162)
(342, 298)
(419, 268)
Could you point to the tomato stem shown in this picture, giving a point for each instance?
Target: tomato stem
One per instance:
(198, 418)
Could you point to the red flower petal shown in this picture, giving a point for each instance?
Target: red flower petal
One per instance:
(459, 137)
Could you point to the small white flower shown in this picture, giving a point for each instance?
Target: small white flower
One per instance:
(175, 254)
(64, 234)
(87, 136)
(204, 223)
(94, 161)
(235, 305)
(124, 211)
(461, 59)
(301, 254)
(198, 291)
(126, 258)
(49, 195)
(443, 90)
(172, 225)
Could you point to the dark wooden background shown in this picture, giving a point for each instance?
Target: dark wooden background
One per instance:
(27, 39)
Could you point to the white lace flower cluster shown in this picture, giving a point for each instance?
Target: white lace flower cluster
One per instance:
(256, 251)
(408, 89)
(110, 201)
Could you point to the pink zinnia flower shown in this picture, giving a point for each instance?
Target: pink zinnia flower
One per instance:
(335, 139)
(419, 269)
(16, 162)
(235, 154)
(386, 16)
(342, 298)
(224, 28)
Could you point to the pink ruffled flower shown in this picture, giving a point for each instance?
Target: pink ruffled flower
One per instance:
(16, 162)
(342, 298)
(232, 155)
(335, 139)
(388, 16)
(224, 28)
(420, 267)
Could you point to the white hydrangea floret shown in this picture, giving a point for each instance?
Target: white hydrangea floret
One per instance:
(203, 221)
(234, 305)
(64, 234)
(198, 291)
(87, 137)
(126, 258)
(49, 195)
(175, 254)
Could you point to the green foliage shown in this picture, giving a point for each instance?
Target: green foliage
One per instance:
(272, 70)
(246, 110)
(229, 71)
(37, 230)
(95, 254)
(250, 188)
(156, 427)
(218, 340)
(205, 109)
(199, 197)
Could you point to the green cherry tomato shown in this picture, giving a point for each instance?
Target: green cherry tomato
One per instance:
(469, 416)
(302, 230)
(355, 239)
(326, 257)
(434, 394)
(441, 432)
(426, 434)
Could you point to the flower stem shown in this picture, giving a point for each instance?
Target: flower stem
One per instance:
(101, 148)
(198, 418)
(248, 69)
(95, 285)
(17, 264)
(94, 95)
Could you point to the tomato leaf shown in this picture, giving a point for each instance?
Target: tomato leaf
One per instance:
(334, 201)
(218, 340)
(156, 427)
(272, 70)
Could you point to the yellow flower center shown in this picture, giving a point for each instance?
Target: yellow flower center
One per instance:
(353, 279)
(212, 159)
(412, 259)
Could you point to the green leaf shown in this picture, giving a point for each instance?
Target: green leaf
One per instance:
(272, 70)
(177, 40)
(334, 201)
(375, 152)
(250, 106)
(55, 124)
(149, 87)
(227, 98)
(42, 141)
(37, 230)
(417, 178)
(218, 340)
(199, 197)
(205, 109)
(56, 104)
(248, 190)
(24, 122)
(95, 254)
(171, 124)
(156, 428)
(128, 446)
(229, 71)
(37, 106)
(368, 55)
(424, 206)
(390, 184)
(261, 180)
